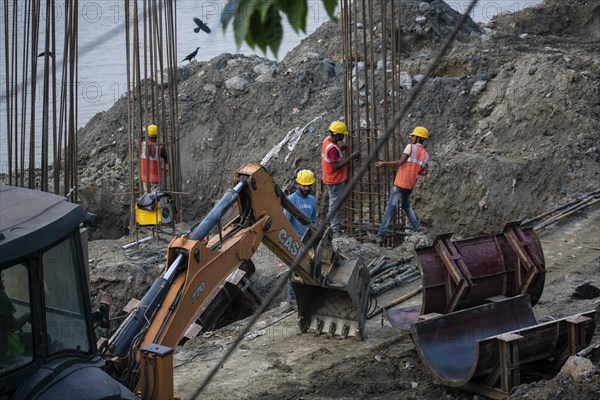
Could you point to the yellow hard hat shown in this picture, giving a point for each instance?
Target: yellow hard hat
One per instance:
(152, 130)
(305, 177)
(338, 127)
(421, 132)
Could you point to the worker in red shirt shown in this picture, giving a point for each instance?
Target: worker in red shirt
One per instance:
(412, 163)
(153, 162)
(334, 169)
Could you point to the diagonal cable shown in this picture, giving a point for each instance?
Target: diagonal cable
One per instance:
(321, 228)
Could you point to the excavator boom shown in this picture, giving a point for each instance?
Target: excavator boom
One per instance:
(332, 292)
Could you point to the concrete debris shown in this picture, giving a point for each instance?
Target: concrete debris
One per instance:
(579, 368)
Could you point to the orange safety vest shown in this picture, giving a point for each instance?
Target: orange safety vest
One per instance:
(332, 176)
(149, 162)
(406, 177)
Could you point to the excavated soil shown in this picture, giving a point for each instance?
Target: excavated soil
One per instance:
(514, 113)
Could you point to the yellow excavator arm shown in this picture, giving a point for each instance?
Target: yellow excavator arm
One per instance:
(332, 293)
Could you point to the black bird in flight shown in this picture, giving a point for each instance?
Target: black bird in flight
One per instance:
(190, 56)
(201, 25)
(43, 53)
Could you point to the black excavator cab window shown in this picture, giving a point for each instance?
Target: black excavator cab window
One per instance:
(42, 305)
(16, 344)
(65, 318)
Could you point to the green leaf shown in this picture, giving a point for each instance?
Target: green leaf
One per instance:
(273, 30)
(228, 13)
(255, 36)
(264, 8)
(330, 6)
(242, 19)
(258, 22)
(296, 12)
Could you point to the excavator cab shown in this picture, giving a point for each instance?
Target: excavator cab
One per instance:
(47, 342)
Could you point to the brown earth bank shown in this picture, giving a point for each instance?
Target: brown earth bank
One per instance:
(514, 112)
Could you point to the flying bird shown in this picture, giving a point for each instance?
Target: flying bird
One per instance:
(190, 56)
(43, 53)
(201, 25)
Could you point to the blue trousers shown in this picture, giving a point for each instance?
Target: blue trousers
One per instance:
(404, 196)
(290, 291)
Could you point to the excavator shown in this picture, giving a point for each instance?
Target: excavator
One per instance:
(44, 269)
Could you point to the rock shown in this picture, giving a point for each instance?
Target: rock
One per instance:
(209, 87)
(236, 83)
(405, 80)
(388, 65)
(424, 7)
(338, 69)
(264, 69)
(579, 368)
(361, 83)
(477, 87)
(359, 67)
(324, 71)
(586, 291)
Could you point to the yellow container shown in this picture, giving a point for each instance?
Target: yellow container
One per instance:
(144, 217)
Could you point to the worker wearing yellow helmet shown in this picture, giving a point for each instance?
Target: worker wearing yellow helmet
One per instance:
(153, 161)
(334, 169)
(303, 199)
(413, 162)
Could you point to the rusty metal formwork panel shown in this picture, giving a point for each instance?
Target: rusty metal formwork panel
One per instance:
(371, 50)
(464, 273)
(488, 349)
(471, 272)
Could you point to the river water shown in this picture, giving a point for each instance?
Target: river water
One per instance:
(102, 75)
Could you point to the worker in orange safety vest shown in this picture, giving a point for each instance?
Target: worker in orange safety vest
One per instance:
(412, 163)
(153, 162)
(334, 169)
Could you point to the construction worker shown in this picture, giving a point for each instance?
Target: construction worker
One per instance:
(13, 344)
(334, 169)
(413, 162)
(153, 162)
(305, 201)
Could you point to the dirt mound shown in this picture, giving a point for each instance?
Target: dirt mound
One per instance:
(576, 19)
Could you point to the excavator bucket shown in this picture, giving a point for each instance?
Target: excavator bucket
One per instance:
(338, 309)
(338, 306)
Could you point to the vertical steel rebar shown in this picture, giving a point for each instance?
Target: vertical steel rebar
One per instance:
(152, 56)
(372, 98)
